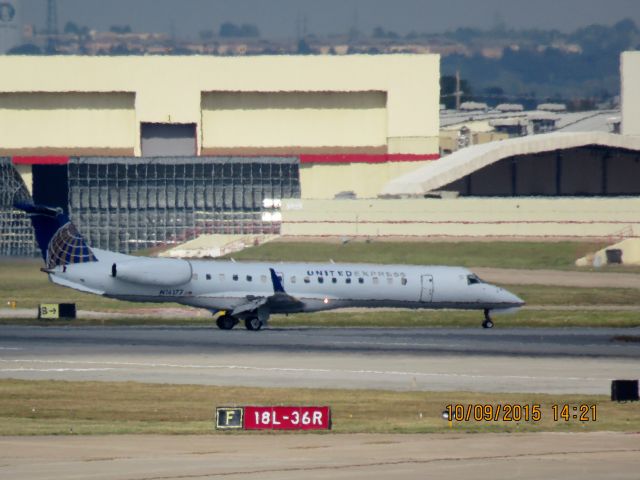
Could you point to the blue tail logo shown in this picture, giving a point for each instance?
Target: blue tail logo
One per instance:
(58, 239)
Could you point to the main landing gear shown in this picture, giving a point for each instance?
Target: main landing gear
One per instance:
(227, 322)
(488, 323)
(253, 323)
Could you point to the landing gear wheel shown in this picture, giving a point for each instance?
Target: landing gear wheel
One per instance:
(488, 323)
(226, 322)
(253, 324)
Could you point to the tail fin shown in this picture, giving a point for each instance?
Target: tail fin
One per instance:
(58, 239)
(277, 284)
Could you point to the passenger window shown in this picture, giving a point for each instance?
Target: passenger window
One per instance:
(221, 276)
(403, 281)
(194, 276)
(235, 278)
(293, 279)
(208, 276)
(263, 278)
(249, 278)
(334, 280)
(306, 280)
(320, 279)
(361, 280)
(348, 280)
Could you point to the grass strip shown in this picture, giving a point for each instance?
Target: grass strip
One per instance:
(61, 408)
(522, 255)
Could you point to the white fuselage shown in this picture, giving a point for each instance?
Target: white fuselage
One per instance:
(222, 285)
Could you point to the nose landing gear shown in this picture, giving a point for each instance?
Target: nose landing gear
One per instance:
(488, 323)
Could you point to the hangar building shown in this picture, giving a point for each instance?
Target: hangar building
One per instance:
(150, 150)
(630, 70)
(579, 184)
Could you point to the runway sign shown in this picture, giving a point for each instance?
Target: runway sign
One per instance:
(287, 418)
(229, 418)
(624, 391)
(273, 418)
(48, 310)
(56, 310)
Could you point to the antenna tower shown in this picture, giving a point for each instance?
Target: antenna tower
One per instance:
(52, 25)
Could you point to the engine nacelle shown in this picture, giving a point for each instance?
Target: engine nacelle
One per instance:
(161, 272)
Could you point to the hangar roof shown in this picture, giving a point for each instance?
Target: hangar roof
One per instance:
(448, 169)
(589, 121)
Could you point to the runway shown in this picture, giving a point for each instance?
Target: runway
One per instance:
(575, 360)
(582, 456)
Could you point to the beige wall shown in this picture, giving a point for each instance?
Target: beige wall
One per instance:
(170, 89)
(323, 181)
(55, 121)
(250, 120)
(464, 217)
(630, 66)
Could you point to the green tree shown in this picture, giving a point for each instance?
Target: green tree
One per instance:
(71, 28)
(228, 30)
(26, 49)
(120, 29)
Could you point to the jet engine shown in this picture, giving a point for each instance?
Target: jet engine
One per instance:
(161, 272)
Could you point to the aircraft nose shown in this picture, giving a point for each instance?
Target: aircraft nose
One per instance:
(512, 298)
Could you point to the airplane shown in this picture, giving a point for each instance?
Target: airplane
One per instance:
(252, 291)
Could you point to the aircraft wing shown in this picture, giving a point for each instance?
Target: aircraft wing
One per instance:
(280, 301)
(252, 304)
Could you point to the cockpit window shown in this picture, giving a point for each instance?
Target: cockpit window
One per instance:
(473, 278)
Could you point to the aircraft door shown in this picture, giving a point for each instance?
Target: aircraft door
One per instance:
(426, 294)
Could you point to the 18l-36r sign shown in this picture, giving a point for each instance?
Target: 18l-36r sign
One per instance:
(274, 418)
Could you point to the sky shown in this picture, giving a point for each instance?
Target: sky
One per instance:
(278, 18)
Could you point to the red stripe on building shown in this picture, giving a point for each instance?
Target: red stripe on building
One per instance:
(367, 158)
(48, 160)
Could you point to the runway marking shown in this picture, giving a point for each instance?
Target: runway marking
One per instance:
(56, 369)
(11, 348)
(293, 370)
(395, 344)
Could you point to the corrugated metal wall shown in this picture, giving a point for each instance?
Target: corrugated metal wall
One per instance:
(125, 204)
(16, 234)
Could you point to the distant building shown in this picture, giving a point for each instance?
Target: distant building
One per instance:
(473, 107)
(510, 107)
(10, 24)
(543, 122)
(630, 93)
(552, 107)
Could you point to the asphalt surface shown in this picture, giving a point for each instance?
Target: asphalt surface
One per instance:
(573, 360)
(581, 456)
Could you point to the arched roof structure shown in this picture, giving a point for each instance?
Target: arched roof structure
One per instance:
(446, 170)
